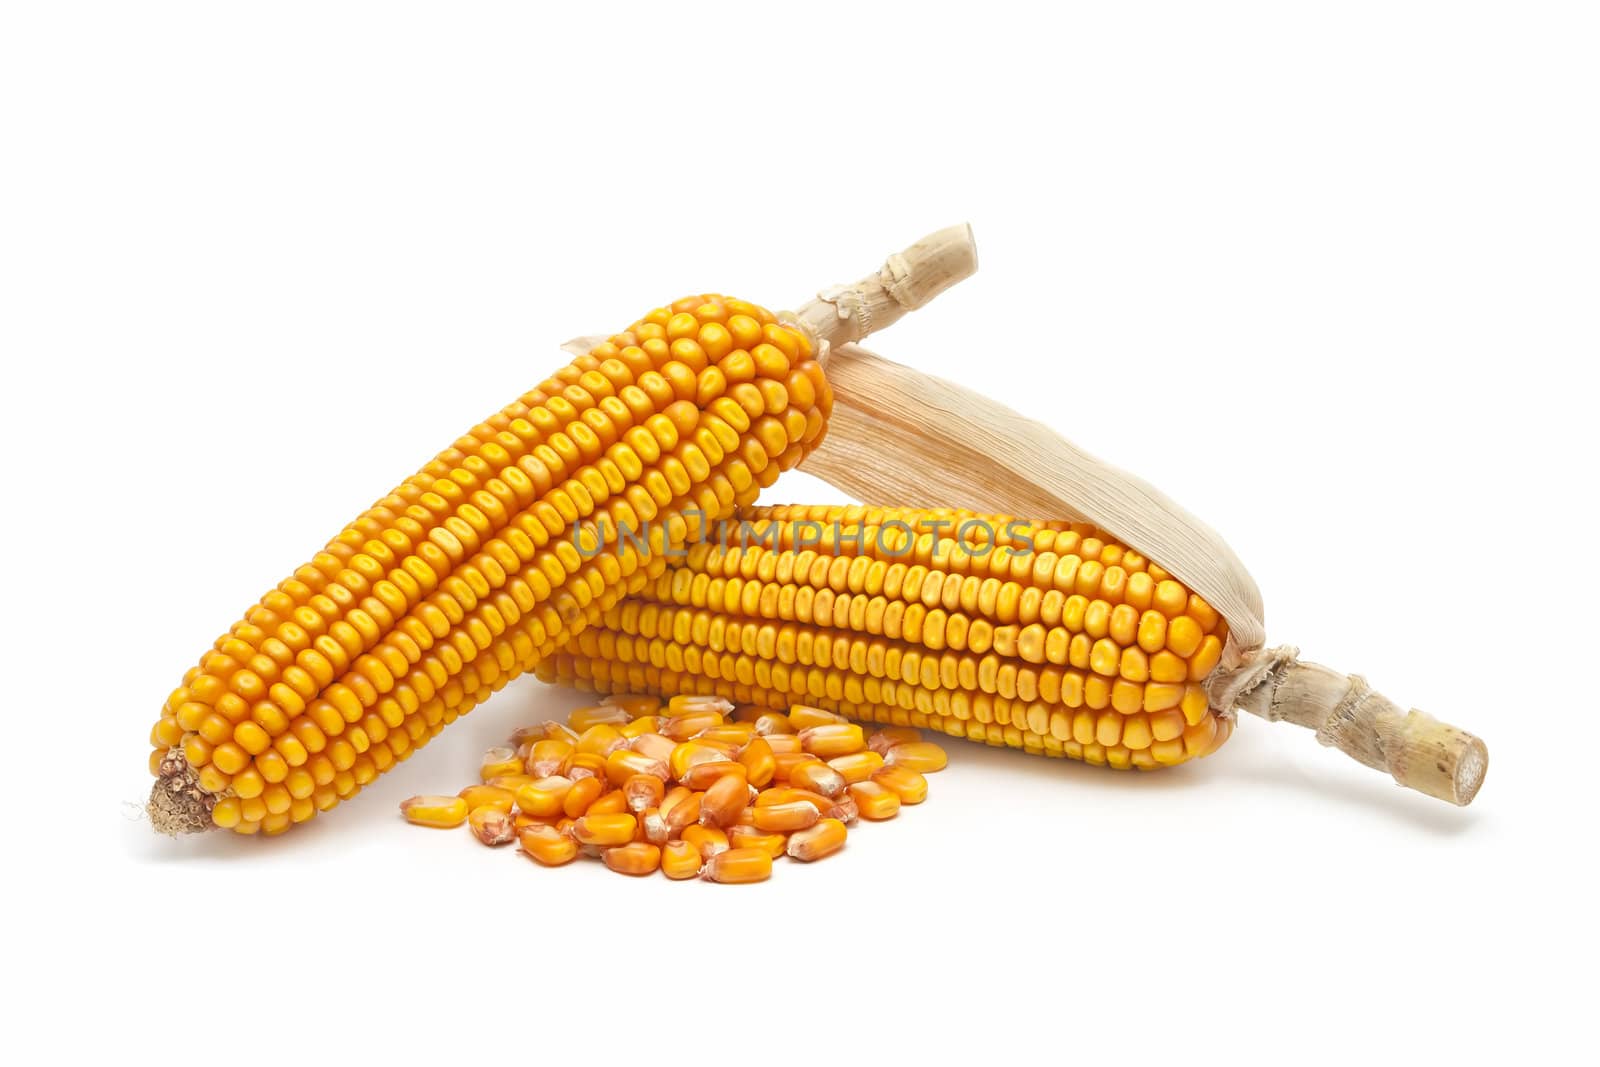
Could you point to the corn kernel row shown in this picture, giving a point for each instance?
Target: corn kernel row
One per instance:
(686, 788)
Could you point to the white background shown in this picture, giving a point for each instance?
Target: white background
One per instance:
(1328, 277)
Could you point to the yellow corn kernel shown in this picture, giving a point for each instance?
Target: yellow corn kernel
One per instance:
(624, 764)
(750, 837)
(783, 794)
(723, 800)
(1167, 725)
(492, 826)
(909, 785)
(560, 731)
(1166, 667)
(611, 802)
(707, 840)
(683, 726)
(786, 817)
(635, 858)
(823, 839)
(438, 811)
(731, 733)
(600, 739)
(498, 761)
(773, 722)
(857, 766)
(643, 791)
(487, 796)
(524, 736)
(819, 778)
(680, 860)
(1168, 753)
(674, 794)
(702, 775)
(784, 763)
(728, 749)
(510, 782)
(583, 795)
(600, 714)
(227, 813)
(758, 762)
(682, 814)
(585, 765)
(548, 845)
(923, 756)
(543, 797)
(738, 866)
(645, 724)
(1199, 738)
(1205, 658)
(832, 739)
(689, 753)
(605, 830)
(547, 756)
(874, 801)
(1184, 636)
(656, 746)
(782, 743)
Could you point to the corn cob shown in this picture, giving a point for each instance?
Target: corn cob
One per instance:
(1074, 646)
(1052, 637)
(506, 545)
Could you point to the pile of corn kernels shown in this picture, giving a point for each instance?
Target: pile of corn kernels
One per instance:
(697, 787)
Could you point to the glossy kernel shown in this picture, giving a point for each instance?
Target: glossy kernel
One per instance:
(923, 756)
(635, 858)
(439, 811)
(738, 866)
(492, 826)
(548, 845)
(874, 801)
(909, 785)
(815, 842)
(680, 860)
(605, 830)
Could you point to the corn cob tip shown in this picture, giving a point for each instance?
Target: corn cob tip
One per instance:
(906, 281)
(843, 314)
(1417, 750)
(178, 804)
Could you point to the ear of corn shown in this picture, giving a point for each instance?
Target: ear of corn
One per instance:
(1050, 637)
(467, 573)
(1047, 637)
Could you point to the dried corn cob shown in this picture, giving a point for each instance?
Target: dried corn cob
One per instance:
(471, 570)
(1051, 637)
(1073, 647)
